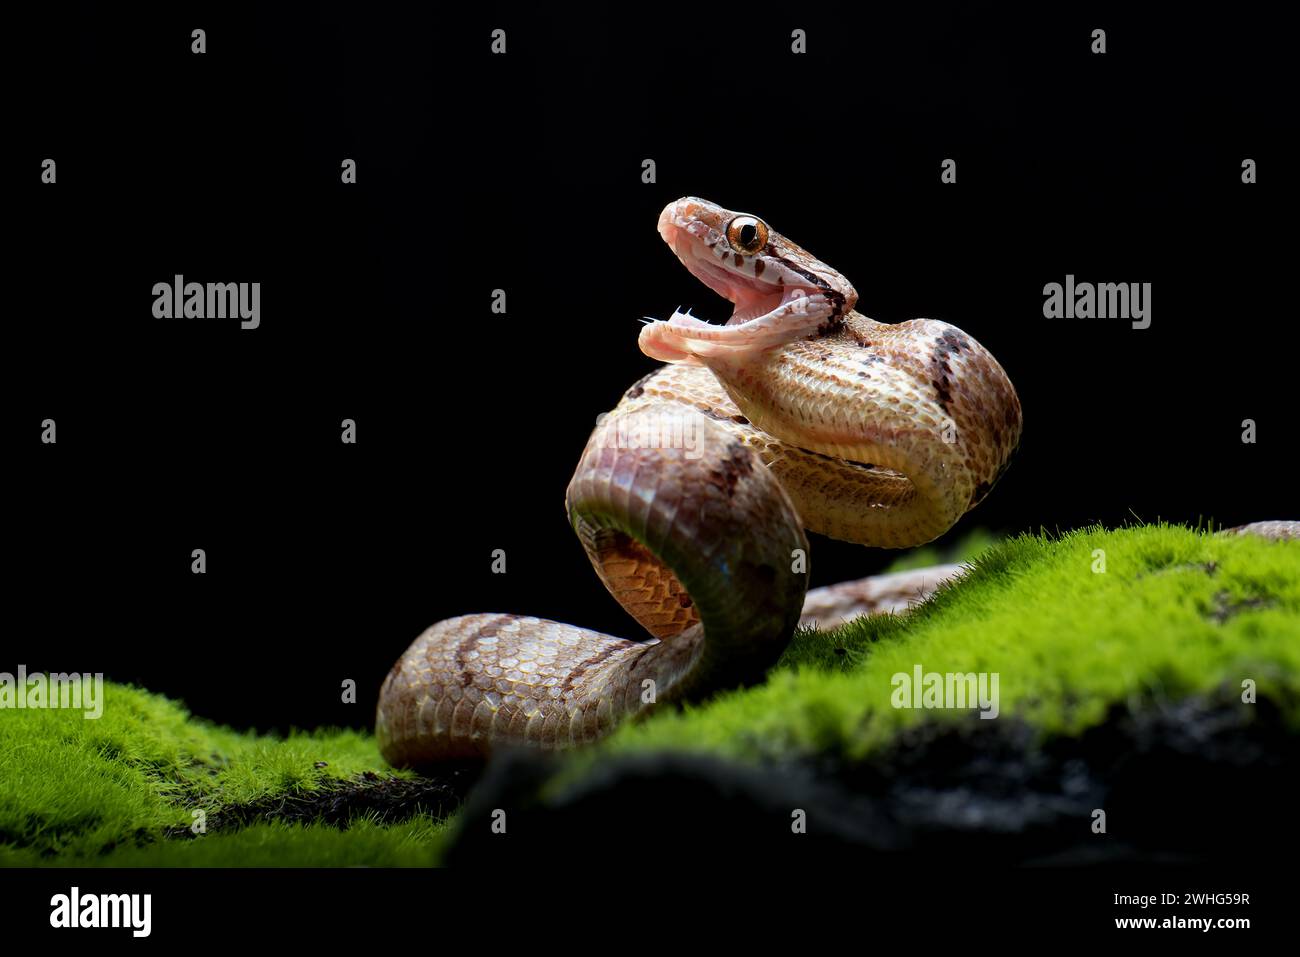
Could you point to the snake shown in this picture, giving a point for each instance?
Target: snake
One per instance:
(693, 495)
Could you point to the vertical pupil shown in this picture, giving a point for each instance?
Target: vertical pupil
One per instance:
(748, 234)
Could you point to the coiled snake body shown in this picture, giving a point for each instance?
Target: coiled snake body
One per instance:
(692, 496)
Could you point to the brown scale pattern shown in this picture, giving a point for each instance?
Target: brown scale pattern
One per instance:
(710, 511)
(890, 593)
(818, 410)
(724, 506)
(690, 500)
(477, 678)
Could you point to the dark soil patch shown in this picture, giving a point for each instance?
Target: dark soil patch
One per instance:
(383, 799)
(1192, 782)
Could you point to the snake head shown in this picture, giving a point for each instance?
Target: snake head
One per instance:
(780, 291)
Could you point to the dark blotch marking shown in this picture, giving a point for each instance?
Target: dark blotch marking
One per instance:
(834, 297)
(737, 463)
(466, 644)
(759, 266)
(949, 344)
(835, 322)
(941, 389)
(684, 600)
(588, 663)
(740, 260)
(740, 419)
(638, 387)
(954, 341)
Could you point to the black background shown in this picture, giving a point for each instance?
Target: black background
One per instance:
(523, 172)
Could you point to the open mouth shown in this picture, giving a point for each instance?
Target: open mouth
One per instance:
(774, 302)
(752, 298)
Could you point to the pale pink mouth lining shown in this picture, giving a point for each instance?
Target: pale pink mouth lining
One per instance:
(745, 293)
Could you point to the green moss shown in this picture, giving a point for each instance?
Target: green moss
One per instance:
(1176, 612)
(109, 790)
(414, 843)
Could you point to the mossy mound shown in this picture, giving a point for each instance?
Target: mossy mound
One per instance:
(1071, 624)
(127, 789)
(1080, 628)
(1145, 674)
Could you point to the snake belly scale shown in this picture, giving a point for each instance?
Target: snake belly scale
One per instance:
(692, 496)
